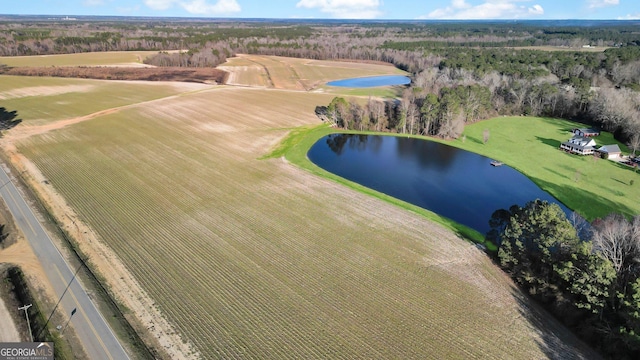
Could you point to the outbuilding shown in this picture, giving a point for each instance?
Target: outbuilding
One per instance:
(586, 132)
(610, 151)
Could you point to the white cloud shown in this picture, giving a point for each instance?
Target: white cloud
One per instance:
(536, 10)
(203, 8)
(592, 4)
(635, 16)
(93, 2)
(199, 7)
(345, 9)
(159, 4)
(489, 9)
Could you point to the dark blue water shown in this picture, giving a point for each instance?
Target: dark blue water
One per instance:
(451, 182)
(371, 81)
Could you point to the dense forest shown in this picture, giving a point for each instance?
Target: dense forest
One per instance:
(461, 72)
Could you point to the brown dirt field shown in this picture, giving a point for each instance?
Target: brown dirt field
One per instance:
(199, 75)
(8, 330)
(121, 282)
(43, 91)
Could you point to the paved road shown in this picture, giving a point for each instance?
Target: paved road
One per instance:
(94, 333)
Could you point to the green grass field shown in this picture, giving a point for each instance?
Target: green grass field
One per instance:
(594, 187)
(251, 257)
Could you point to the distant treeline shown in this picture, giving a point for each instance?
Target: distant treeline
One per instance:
(461, 71)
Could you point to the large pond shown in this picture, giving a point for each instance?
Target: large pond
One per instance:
(451, 182)
(371, 81)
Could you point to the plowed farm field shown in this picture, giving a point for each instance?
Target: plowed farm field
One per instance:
(113, 58)
(43, 100)
(300, 74)
(250, 258)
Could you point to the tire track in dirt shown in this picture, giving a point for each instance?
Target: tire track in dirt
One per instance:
(266, 70)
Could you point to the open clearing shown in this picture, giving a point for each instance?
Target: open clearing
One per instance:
(562, 48)
(113, 58)
(259, 259)
(299, 74)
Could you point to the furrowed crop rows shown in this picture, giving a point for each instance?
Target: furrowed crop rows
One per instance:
(258, 259)
(79, 59)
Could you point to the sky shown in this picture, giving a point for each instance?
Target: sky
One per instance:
(334, 9)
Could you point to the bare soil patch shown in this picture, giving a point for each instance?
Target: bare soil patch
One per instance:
(44, 91)
(198, 75)
(8, 331)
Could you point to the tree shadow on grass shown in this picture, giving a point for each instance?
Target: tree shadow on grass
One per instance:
(551, 142)
(475, 140)
(555, 340)
(620, 181)
(8, 119)
(586, 203)
(559, 174)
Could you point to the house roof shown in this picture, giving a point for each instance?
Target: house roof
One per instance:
(610, 149)
(582, 141)
(588, 131)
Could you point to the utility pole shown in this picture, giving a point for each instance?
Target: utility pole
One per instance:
(67, 324)
(26, 315)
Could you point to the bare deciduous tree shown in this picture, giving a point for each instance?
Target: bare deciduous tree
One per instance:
(618, 240)
(485, 135)
(634, 143)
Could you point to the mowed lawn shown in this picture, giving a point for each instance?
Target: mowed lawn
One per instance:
(40, 100)
(260, 259)
(594, 187)
(112, 58)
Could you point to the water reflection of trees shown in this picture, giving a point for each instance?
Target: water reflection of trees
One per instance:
(359, 142)
(427, 153)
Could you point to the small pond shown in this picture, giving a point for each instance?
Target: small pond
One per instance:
(371, 81)
(451, 182)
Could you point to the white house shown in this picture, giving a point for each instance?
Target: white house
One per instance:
(579, 145)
